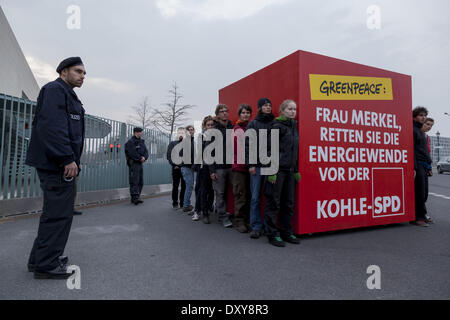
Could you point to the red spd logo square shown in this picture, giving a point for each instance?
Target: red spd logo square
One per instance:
(388, 193)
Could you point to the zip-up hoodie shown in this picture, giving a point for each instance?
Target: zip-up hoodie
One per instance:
(289, 140)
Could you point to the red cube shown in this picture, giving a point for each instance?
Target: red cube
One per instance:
(356, 155)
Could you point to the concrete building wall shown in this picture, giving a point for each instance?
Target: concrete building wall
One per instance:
(16, 77)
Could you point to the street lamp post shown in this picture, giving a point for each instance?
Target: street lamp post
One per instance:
(438, 149)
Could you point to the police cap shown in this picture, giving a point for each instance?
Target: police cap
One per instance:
(69, 62)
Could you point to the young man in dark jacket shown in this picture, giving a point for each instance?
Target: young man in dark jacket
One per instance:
(422, 165)
(136, 154)
(221, 172)
(263, 120)
(427, 126)
(177, 177)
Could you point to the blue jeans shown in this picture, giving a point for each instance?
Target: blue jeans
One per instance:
(255, 207)
(188, 177)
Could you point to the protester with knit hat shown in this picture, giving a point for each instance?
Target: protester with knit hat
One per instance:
(263, 120)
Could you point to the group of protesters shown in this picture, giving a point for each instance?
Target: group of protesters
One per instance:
(245, 177)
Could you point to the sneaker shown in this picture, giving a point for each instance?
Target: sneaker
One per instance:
(195, 217)
(291, 239)
(188, 209)
(206, 220)
(277, 242)
(226, 222)
(175, 207)
(420, 223)
(428, 219)
(255, 234)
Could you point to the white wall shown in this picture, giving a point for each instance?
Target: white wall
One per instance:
(15, 74)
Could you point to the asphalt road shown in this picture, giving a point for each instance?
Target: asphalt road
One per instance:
(154, 252)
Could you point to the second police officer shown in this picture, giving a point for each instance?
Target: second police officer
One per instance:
(136, 153)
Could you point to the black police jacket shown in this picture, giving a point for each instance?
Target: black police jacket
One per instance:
(135, 149)
(289, 139)
(57, 136)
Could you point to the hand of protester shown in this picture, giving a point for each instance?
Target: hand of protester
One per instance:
(272, 179)
(430, 173)
(142, 159)
(71, 170)
(213, 176)
(176, 167)
(252, 171)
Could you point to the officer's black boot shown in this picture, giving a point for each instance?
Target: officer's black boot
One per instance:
(60, 272)
(64, 260)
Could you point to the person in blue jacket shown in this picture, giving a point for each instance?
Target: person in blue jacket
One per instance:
(55, 150)
(136, 153)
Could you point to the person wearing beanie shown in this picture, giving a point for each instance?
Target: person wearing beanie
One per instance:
(136, 154)
(55, 151)
(263, 120)
(279, 189)
(240, 174)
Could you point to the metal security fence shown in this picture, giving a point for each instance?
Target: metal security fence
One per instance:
(103, 164)
(440, 148)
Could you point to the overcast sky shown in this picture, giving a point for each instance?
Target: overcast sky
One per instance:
(135, 48)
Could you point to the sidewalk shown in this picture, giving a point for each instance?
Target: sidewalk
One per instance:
(153, 252)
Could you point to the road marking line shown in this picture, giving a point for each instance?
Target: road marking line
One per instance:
(439, 195)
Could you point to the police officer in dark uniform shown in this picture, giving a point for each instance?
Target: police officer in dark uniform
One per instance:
(55, 149)
(136, 153)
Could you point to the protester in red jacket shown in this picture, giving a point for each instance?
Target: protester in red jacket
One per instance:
(240, 174)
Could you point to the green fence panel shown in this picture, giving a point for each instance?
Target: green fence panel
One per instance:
(103, 164)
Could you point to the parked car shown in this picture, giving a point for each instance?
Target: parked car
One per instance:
(443, 165)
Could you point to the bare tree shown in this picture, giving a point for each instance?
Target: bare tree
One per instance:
(143, 114)
(172, 113)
